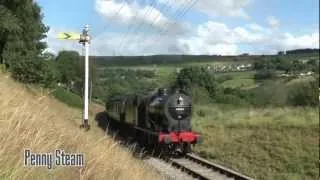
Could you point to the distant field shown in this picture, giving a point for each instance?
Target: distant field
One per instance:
(174, 60)
(166, 65)
(270, 143)
(239, 79)
(163, 72)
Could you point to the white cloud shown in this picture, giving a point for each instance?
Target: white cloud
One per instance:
(217, 38)
(132, 13)
(198, 46)
(289, 41)
(255, 27)
(231, 8)
(273, 21)
(208, 38)
(135, 44)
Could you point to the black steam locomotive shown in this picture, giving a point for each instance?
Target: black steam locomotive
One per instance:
(161, 119)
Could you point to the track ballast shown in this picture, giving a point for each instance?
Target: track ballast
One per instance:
(200, 168)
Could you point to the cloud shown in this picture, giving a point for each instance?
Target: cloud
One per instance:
(133, 13)
(273, 21)
(288, 41)
(217, 38)
(230, 8)
(213, 38)
(135, 44)
(255, 27)
(198, 46)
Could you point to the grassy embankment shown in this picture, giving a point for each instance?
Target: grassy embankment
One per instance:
(36, 121)
(269, 143)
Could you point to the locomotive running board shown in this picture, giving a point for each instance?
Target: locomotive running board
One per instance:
(147, 131)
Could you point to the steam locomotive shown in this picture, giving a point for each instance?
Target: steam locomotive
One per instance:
(160, 119)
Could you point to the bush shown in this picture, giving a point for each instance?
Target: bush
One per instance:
(224, 78)
(200, 95)
(34, 72)
(265, 74)
(270, 93)
(2, 68)
(231, 99)
(304, 94)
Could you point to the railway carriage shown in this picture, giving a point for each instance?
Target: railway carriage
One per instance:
(161, 119)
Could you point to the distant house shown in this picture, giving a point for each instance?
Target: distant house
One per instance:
(310, 73)
(304, 61)
(244, 67)
(284, 75)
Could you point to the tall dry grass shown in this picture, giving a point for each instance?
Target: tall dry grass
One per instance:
(35, 121)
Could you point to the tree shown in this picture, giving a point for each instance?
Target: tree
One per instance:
(69, 66)
(200, 77)
(283, 64)
(21, 32)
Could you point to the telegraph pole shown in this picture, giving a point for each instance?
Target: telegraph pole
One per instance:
(85, 41)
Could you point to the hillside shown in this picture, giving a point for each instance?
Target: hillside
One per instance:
(264, 143)
(30, 119)
(191, 59)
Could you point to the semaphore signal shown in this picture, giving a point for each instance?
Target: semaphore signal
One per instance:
(84, 39)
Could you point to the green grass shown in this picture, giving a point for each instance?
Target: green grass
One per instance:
(2, 68)
(240, 83)
(68, 97)
(239, 80)
(270, 143)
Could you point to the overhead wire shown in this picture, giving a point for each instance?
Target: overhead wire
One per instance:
(180, 12)
(151, 25)
(148, 10)
(93, 59)
(175, 15)
(180, 15)
(148, 25)
(117, 12)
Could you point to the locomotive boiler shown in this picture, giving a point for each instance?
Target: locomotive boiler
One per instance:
(160, 119)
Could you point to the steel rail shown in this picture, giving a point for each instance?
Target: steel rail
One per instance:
(203, 169)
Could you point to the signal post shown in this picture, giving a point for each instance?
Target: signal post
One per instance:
(85, 41)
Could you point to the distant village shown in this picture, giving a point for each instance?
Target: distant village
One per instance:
(223, 68)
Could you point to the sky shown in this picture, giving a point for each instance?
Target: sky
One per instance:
(212, 27)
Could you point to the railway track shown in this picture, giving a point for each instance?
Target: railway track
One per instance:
(200, 168)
